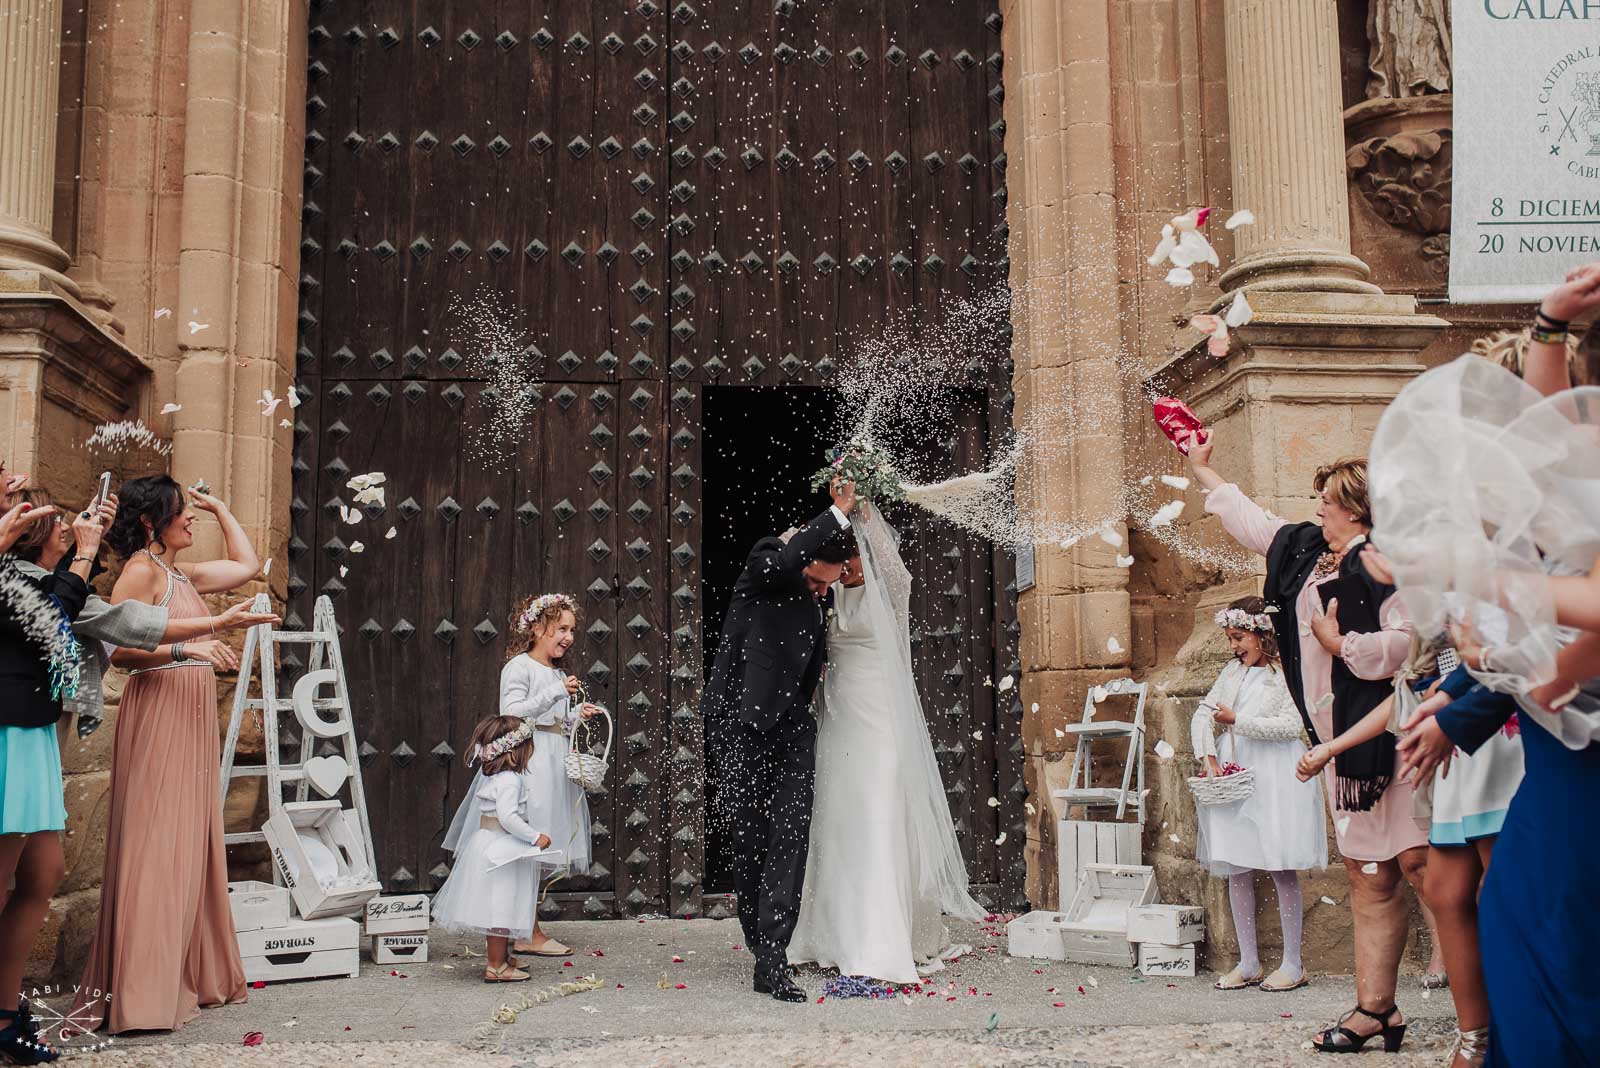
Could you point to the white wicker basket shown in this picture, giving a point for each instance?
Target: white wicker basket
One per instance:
(582, 765)
(1222, 789)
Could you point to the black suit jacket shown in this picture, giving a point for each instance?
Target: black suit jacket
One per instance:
(771, 653)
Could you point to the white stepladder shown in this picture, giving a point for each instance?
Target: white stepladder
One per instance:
(1080, 789)
(327, 774)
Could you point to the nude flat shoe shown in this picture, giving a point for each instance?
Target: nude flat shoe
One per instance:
(1236, 980)
(552, 948)
(1279, 982)
(506, 973)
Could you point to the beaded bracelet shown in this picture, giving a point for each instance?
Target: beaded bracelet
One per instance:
(1540, 335)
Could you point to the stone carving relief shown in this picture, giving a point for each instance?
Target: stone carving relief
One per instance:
(1408, 48)
(1405, 179)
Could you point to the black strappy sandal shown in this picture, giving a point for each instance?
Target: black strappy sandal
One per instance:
(1340, 1039)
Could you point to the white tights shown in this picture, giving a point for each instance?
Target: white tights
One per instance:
(1291, 908)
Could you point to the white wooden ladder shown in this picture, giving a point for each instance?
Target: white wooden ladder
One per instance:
(1080, 784)
(325, 667)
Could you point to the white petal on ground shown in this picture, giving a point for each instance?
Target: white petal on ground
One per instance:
(357, 547)
(1326, 900)
(1180, 276)
(1092, 981)
(1164, 750)
(1239, 312)
(1242, 217)
(1124, 561)
(168, 409)
(1166, 514)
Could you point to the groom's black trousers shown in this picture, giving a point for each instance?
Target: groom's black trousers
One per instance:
(765, 781)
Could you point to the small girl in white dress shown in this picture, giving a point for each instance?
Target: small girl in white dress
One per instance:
(534, 688)
(1280, 827)
(493, 887)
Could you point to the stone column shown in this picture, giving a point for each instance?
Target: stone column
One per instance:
(1286, 134)
(30, 82)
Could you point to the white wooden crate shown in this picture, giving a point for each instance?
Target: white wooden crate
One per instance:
(256, 905)
(1157, 959)
(1096, 927)
(302, 949)
(1080, 843)
(405, 914)
(334, 831)
(1168, 925)
(1036, 934)
(400, 948)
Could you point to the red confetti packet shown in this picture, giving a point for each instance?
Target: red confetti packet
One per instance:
(1176, 420)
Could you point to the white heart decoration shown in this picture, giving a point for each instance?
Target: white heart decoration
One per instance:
(327, 774)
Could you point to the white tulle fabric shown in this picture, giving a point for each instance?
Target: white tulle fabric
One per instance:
(1481, 488)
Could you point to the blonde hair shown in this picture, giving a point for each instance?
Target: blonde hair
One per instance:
(1346, 483)
(1509, 349)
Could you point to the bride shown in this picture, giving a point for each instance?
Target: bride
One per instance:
(884, 863)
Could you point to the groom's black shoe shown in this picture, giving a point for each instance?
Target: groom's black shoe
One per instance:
(780, 985)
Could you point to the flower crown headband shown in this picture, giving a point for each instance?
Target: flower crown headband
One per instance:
(542, 604)
(502, 745)
(1239, 619)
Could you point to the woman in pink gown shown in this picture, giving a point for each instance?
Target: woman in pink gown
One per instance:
(165, 945)
(1379, 840)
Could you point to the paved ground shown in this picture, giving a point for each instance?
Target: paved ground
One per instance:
(986, 1009)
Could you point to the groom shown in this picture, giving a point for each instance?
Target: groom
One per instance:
(757, 709)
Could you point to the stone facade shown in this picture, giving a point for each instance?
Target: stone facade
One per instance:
(149, 234)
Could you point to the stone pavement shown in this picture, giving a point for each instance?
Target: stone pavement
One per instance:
(677, 992)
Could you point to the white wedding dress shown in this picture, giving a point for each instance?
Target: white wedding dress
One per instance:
(884, 863)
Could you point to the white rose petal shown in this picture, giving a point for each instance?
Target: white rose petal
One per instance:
(390, 533)
(351, 516)
(168, 409)
(1028, 806)
(1001, 840)
(286, 423)
(1060, 733)
(1112, 645)
(293, 397)
(1098, 693)
(1092, 981)
(1179, 277)
(162, 313)
(1124, 561)
(343, 571)
(1326, 900)
(977, 736)
(1177, 482)
(1006, 684)
(994, 802)
(1164, 749)
(1111, 536)
(266, 568)
(357, 547)
(195, 328)
(1034, 707)
(1166, 514)
(1239, 312)
(1174, 839)
(1242, 217)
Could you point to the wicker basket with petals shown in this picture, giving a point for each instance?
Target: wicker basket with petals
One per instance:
(1222, 789)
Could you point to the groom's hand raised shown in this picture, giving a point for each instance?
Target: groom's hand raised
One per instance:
(844, 494)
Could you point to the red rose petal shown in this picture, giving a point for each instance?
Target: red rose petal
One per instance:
(1285, 1015)
(566, 964)
(259, 984)
(254, 1038)
(677, 960)
(598, 953)
(1058, 1004)
(820, 1000)
(681, 986)
(619, 986)
(347, 1027)
(1080, 989)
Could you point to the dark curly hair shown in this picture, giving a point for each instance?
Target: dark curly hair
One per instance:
(157, 498)
(840, 547)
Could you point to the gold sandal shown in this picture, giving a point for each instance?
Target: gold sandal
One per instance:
(1277, 983)
(1235, 980)
(506, 973)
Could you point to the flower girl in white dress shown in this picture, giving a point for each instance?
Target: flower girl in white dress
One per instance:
(1280, 828)
(493, 888)
(534, 688)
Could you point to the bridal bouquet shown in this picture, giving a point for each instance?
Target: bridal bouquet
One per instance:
(865, 464)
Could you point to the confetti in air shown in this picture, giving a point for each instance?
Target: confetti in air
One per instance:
(128, 434)
(168, 409)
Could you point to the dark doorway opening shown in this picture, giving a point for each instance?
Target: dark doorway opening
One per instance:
(761, 448)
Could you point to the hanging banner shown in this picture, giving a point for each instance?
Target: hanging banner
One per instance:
(1525, 204)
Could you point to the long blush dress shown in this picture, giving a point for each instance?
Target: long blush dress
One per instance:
(165, 944)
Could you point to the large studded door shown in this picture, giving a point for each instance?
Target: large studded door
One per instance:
(662, 194)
